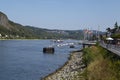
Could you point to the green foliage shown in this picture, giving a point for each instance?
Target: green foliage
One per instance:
(101, 64)
(115, 31)
(116, 25)
(87, 56)
(116, 35)
(30, 32)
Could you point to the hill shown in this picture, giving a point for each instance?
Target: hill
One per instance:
(12, 30)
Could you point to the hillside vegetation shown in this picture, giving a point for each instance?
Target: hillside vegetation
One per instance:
(100, 64)
(12, 30)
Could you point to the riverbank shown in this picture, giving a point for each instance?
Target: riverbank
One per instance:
(69, 70)
(21, 39)
(101, 64)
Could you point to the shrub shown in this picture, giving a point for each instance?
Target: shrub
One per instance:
(100, 64)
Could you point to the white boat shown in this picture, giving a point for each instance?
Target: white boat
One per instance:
(58, 41)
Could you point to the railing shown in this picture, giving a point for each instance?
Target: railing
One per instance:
(113, 48)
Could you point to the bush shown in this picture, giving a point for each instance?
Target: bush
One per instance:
(100, 64)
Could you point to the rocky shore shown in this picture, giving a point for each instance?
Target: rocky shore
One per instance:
(70, 69)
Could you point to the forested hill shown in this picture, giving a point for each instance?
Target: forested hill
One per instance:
(12, 30)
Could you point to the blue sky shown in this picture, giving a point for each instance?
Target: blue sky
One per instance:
(63, 14)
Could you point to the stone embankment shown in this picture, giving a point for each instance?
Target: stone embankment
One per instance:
(69, 70)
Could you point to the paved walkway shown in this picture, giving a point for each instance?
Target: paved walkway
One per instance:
(113, 48)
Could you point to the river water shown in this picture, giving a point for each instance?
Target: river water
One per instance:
(25, 60)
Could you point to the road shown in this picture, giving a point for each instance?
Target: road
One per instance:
(113, 48)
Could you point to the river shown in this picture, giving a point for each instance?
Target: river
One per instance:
(25, 60)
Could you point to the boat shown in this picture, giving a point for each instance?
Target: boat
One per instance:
(58, 41)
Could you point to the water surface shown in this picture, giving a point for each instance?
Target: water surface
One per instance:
(24, 59)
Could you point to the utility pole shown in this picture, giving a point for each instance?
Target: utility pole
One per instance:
(84, 34)
(98, 33)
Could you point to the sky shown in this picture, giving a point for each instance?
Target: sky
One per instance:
(63, 14)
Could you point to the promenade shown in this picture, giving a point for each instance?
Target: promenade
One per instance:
(113, 48)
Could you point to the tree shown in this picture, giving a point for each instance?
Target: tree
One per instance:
(114, 32)
(108, 29)
(116, 26)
